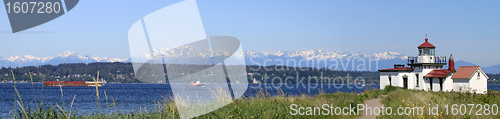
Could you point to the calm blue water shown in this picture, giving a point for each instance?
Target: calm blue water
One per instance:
(129, 97)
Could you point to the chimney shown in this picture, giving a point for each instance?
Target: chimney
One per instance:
(451, 64)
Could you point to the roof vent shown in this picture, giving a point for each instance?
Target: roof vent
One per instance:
(398, 65)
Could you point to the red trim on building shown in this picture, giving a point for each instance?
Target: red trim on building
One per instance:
(440, 73)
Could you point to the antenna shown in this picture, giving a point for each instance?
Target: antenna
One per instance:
(425, 35)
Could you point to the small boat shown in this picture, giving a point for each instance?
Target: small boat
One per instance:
(197, 84)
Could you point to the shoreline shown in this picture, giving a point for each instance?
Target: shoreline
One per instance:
(212, 83)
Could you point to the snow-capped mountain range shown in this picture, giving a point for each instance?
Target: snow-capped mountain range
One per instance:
(342, 60)
(72, 57)
(65, 57)
(186, 51)
(326, 55)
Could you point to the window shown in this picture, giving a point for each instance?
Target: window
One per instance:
(426, 51)
(478, 75)
(417, 79)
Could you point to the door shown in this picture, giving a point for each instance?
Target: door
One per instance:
(440, 84)
(405, 82)
(430, 82)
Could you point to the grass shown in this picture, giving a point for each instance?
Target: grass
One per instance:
(261, 106)
(399, 97)
(256, 107)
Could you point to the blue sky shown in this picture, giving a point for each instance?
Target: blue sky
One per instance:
(468, 29)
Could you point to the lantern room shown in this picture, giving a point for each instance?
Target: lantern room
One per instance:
(427, 56)
(426, 48)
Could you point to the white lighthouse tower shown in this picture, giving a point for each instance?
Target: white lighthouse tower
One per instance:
(415, 75)
(428, 69)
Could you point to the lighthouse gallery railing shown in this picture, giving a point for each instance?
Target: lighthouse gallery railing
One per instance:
(437, 59)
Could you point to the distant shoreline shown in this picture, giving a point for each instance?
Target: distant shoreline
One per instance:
(204, 83)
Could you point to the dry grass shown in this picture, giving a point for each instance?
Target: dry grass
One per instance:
(425, 99)
(47, 111)
(263, 105)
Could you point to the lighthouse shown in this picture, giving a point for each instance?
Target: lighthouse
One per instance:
(425, 72)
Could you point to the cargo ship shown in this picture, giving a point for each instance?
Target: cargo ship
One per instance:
(73, 83)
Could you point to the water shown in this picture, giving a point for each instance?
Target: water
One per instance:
(130, 97)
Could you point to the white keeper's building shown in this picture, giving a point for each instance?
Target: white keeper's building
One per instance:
(425, 72)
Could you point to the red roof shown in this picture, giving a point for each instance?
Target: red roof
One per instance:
(438, 73)
(426, 44)
(397, 69)
(465, 72)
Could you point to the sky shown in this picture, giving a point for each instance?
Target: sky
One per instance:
(470, 30)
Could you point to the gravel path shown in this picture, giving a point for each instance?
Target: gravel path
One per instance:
(371, 103)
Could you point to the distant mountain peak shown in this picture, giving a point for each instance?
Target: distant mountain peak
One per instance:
(67, 53)
(106, 59)
(30, 57)
(13, 57)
